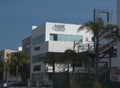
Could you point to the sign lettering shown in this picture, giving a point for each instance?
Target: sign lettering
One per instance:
(58, 27)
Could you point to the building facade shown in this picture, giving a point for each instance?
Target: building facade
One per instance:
(26, 47)
(53, 37)
(115, 70)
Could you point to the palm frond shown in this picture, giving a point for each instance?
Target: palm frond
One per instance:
(86, 26)
(111, 31)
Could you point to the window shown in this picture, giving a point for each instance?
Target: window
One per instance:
(37, 58)
(28, 51)
(53, 37)
(63, 37)
(38, 39)
(93, 38)
(36, 67)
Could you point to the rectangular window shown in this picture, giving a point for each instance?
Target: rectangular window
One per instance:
(63, 37)
(37, 58)
(38, 39)
(36, 68)
(54, 37)
(28, 52)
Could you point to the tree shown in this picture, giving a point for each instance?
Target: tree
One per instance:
(51, 58)
(1, 70)
(95, 28)
(113, 31)
(98, 29)
(76, 60)
(16, 63)
(73, 58)
(69, 57)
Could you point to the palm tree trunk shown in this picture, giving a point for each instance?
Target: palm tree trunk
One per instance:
(16, 73)
(97, 55)
(53, 67)
(73, 67)
(68, 66)
(6, 75)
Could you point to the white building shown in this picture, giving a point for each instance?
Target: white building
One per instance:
(115, 71)
(53, 37)
(115, 64)
(118, 12)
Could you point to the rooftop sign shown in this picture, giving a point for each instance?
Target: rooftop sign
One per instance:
(58, 27)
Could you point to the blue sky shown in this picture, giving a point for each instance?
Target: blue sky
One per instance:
(18, 16)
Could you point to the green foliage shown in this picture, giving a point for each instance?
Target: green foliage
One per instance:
(94, 27)
(1, 70)
(84, 80)
(68, 57)
(16, 64)
(100, 30)
(97, 84)
(74, 58)
(51, 58)
(112, 31)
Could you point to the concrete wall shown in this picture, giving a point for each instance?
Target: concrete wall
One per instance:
(116, 61)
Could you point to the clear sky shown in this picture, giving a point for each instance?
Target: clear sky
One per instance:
(18, 16)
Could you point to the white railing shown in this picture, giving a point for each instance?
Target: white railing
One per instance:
(86, 47)
(84, 70)
(62, 68)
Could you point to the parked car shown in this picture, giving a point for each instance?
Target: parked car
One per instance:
(18, 84)
(4, 85)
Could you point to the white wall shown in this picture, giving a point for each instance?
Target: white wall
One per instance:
(43, 49)
(71, 29)
(116, 61)
(58, 46)
(38, 31)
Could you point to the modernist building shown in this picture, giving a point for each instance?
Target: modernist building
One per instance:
(58, 37)
(53, 37)
(115, 71)
(118, 12)
(118, 23)
(112, 56)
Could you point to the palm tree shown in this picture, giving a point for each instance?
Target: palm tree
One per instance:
(98, 29)
(52, 58)
(16, 61)
(113, 33)
(73, 58)
(69, 57)
(1, 70)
